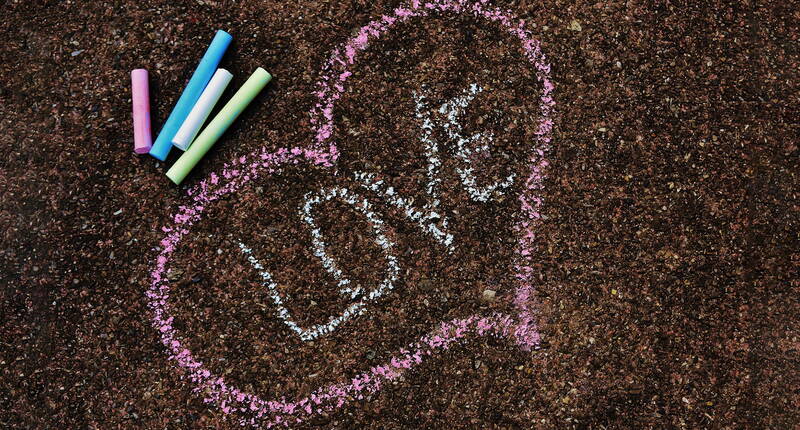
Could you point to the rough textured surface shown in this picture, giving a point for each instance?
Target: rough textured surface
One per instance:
(667, 258)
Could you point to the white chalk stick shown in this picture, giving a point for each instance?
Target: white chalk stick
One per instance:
(211, 94)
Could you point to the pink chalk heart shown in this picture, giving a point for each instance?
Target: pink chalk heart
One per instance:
(323, 153)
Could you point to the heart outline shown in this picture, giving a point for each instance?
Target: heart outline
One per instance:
(237, 173)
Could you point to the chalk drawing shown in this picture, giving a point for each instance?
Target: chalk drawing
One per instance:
(427, 217)
(249, 408)
(318, 244)
(453, 109)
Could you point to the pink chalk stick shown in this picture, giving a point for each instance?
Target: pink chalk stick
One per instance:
(142, 138)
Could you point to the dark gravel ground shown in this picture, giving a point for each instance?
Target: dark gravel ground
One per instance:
(667, 259)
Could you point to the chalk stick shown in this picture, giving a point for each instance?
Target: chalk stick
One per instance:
(186, 134)
(209, 136)
(206, 68)
(140, 95)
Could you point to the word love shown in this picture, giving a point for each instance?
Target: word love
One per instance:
(428, 217)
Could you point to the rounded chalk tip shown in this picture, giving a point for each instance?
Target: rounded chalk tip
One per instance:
(224, 72)
(161, 156)
(260, 72)
(225, 34)
(176, 176)
(180, 144)
(138, 72)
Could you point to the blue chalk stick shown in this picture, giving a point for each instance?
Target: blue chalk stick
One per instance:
(205, 70)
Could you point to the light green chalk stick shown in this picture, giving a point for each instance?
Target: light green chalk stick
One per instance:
(209, 136)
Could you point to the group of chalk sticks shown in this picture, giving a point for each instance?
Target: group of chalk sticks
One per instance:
(192, 109)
